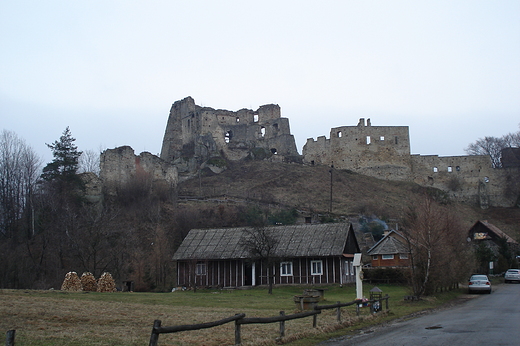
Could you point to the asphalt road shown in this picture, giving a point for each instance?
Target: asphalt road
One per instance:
(485, 319)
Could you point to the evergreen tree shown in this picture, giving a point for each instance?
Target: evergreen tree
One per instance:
(66, 159)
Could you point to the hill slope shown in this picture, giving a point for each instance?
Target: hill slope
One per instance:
(309, 189)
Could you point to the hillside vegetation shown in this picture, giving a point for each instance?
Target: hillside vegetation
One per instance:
(308, 189)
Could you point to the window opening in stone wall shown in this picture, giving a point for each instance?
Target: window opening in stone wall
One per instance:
(274, 151)
(382, 138)
(255, 118)
(275, 126)
(486, 179)
(228, 136)
(450, 169)
(435, 169)
(262, 132)
(396, 141)
(339, 134)
(312, 163)
(238, 119)
(368, 139)
(457, 168)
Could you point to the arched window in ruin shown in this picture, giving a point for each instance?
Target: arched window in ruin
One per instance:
(274, 151)
(450, 169)
(255, 118)
(228, 136)
(339, 134)
(238, 119)
(457, 168)
(435, 169)
(368, 140)
(262, 132)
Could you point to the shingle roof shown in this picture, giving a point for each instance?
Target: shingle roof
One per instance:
(389, 244)
(496, 230)
(292, 241)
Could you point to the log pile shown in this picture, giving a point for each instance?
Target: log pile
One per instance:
(88, 282)
(106, 283)
(71, 282)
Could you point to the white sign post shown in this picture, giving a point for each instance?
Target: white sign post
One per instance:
(359, 275)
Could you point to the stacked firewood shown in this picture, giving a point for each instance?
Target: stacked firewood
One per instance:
(71, 282)
(106, 283)
(88, 282)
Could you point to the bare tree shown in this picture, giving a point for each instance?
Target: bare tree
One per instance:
(89, 162)
(19, 168)
(493, 146)
(261, 245)
(440, 256)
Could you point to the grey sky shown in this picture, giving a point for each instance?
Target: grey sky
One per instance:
(111, 69)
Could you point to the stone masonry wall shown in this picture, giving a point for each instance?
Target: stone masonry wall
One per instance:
(197, 134)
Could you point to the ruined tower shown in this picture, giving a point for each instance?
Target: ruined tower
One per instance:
(198, 136)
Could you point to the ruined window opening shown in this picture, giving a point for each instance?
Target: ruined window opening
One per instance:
(396, 141)
(339, 134)
(457, 168)
(262, 132)
(238, 119)
(255, 118)
(486, 179)
(382, 138)
(312, 163)
(450, 169)
(228, 136)
(274, 151)
(368, 139)
(189, 123)
(435, 169)
(275, 126)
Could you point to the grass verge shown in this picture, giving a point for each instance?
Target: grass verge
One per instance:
(43, 318)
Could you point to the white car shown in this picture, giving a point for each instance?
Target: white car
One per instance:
(512, 275)
(479, 283)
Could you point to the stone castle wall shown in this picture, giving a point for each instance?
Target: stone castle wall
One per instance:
(120, 166)
(197, 134)
(384, 152)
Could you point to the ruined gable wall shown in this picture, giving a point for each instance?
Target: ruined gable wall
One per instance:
(120, 165)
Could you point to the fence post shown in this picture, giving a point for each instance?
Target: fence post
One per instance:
(314, 321)
(238, 338)
(9, 338)
(357, 309)
(154, 338)
(282, 325)
(338, 313)
(387, 301)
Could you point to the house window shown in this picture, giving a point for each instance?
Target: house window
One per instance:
(316, 267)
(375, 257)
(403, 256)
(387, 257)
(286, 269)
(200, 269)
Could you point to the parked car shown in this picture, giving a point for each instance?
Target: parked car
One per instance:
(512, 275)
(479, 283)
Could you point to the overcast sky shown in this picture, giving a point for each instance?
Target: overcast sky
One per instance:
(450, 70)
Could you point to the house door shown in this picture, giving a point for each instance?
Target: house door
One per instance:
(349, 272)
(249, 274)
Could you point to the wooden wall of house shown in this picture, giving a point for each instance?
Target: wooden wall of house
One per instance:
(236, 273)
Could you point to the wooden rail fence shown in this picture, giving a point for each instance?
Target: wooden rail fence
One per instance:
(240, 319)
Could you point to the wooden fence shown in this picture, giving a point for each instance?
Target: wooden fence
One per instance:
(240, 319)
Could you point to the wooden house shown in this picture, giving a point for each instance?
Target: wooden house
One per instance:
(391, 251)
(305, 254)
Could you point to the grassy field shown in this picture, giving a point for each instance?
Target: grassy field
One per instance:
(43, 318)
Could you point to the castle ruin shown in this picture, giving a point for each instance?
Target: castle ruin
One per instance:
(198, 136)
(384, 152)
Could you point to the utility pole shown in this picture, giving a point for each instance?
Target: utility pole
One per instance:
(330, 171)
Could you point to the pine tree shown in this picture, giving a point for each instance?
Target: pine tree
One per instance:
(66, 159)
